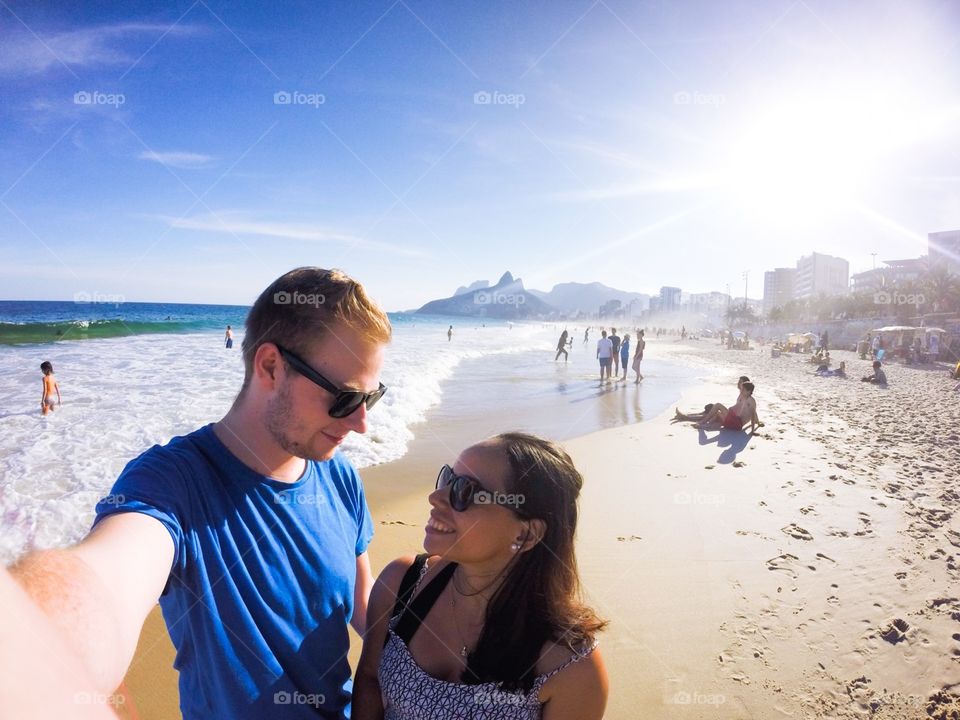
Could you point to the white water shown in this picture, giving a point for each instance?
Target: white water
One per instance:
(123, 395)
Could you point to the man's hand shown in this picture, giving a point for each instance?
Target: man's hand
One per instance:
(94, 597)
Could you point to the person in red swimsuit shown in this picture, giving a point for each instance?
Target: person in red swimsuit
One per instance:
(734, 418)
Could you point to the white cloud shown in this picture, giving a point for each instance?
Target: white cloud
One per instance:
(30, 52)
(187, 160)
(229, 223)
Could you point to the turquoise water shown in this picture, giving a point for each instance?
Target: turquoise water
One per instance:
(30, 321)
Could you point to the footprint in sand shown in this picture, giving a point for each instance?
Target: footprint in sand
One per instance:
(797, 532)
(398, 522)
(895, 631)
(624, 538)
(784, 563)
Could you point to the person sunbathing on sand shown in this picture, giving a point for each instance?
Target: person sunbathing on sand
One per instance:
(736, 417)
(824, 371)
(697, 417)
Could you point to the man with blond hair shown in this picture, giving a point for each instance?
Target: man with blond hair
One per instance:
(251, 531)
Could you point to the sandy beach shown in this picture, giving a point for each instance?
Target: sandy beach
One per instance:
(807, 571)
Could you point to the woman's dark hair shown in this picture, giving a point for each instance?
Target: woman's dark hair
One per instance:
(744, 378)
(539, 600)
(46, 368)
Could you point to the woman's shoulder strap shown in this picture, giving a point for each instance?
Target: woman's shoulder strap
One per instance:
(417, 608)
(409, 583)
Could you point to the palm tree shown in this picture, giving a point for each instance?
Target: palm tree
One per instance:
(942, 288)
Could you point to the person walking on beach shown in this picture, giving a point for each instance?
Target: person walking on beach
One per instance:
(252, 532)
(625, 353)
(604, 354)
(615, 340)
(50, 386)
(488, 622)
(229, 338)
(450, 333)
(586, 336)
(638, 356)
(562, 346)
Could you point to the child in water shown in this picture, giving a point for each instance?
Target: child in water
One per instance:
(50, 385)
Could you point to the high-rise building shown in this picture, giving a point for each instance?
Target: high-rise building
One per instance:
(819, 274)
(670, 298)
(779, 286)
(897, 273)
(944, 249)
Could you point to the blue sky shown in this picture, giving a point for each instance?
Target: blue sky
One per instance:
(425, 145)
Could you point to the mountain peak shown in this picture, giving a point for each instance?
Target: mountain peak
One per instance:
(505, 279)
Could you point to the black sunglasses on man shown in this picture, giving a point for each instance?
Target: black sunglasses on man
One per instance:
(345, 402)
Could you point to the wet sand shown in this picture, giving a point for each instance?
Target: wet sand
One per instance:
(806, 571)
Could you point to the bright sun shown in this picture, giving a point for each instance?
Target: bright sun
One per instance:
(810, 156)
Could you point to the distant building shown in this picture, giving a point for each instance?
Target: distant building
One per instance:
(611, 308)
(670, 298)
(636, 307)
(897, 273)
(819, 274)
(779, 288)
(944, 249)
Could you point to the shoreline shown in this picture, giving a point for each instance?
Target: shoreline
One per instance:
(752, 576)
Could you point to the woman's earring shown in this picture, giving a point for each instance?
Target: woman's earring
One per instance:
(515, 546)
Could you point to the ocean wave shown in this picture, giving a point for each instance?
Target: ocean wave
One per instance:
(44, 332)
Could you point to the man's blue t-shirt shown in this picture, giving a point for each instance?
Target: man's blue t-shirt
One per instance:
(261, 587)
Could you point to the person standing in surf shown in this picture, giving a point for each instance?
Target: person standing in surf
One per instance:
(50, 386)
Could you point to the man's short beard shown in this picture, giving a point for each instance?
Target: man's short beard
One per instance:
(279, 420)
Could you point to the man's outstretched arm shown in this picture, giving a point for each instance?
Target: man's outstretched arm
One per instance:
(91, 599)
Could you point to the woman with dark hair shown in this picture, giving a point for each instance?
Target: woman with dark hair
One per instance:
(489, 622)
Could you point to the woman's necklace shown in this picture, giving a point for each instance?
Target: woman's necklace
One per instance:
(453, 604)
(456, 624)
